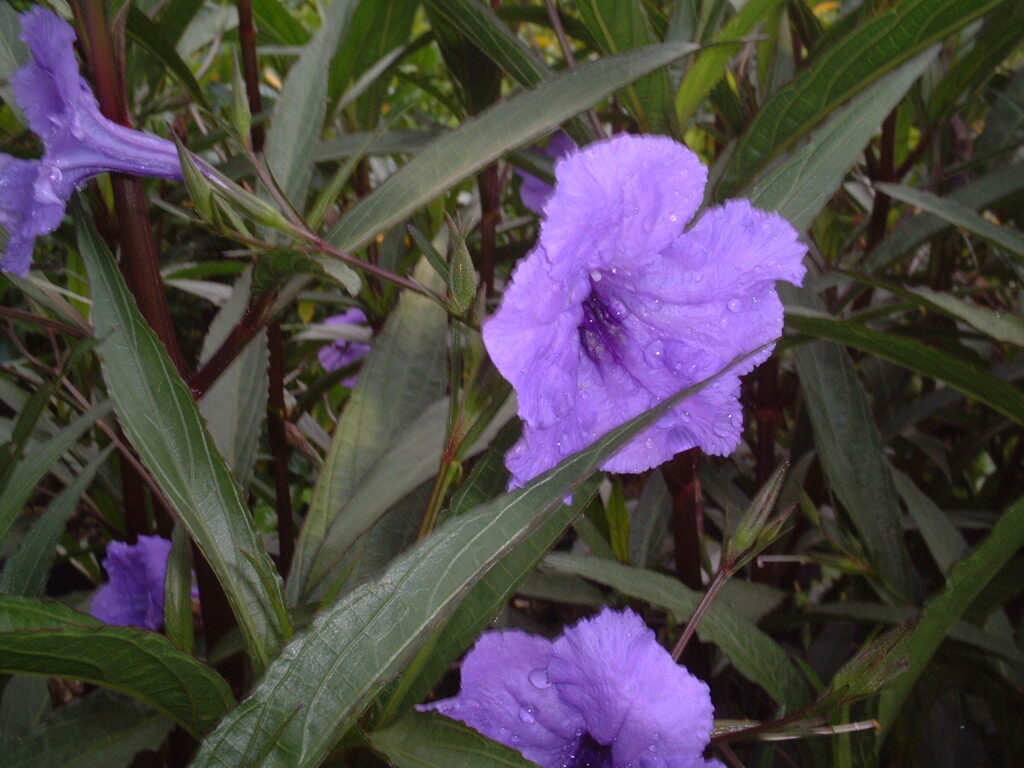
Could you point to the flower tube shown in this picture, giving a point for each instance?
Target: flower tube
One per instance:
(617, 307)
(79, 142)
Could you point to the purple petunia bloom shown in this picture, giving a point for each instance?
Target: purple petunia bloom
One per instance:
(79, 142)
(535, 192)
(603, 695)
(342, 352)
(134, 595)
(617, 308)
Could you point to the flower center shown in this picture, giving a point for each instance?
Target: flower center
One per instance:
(602, 332)
(588, 753)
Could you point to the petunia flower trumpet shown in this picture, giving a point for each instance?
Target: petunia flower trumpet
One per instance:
(79, 142)
(603, 695)
(134, 595)
(617, 307)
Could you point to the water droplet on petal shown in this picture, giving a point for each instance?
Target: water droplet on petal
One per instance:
(539, 678)
(595, 275)
(673, 217)
(526, 714)
(733, 305)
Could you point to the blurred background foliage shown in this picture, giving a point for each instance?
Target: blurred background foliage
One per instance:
(889, 133)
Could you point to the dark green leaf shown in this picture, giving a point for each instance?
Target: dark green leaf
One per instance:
(434, 741)
(163, 423)
(53, 640)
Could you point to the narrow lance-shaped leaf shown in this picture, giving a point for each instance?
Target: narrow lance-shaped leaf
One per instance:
(482, 140)
(163, 423)
(960, 374)
(965, 582)
(56, 641)
(843, 70)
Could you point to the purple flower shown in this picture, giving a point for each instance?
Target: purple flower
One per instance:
(135, 593)
(342, 352)
(535, 192)
(617, 308)
(603, 695)
(78, 141)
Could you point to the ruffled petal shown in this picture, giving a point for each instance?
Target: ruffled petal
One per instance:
(630, 692)
(134, 595)
(49, 83)
(507, 695)
(620, 202)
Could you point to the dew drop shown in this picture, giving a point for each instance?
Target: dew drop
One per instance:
(526, 714)
(697, 277)
(733, 305)
(673, 217)
(539, 678)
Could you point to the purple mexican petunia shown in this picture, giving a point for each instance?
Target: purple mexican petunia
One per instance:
(617, 308)
(78, 141)
(603, 695)
(134, 595)
(342, 352)
(535, 192)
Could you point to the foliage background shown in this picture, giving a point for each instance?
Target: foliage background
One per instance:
(889, 133)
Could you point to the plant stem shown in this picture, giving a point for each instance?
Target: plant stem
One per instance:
(691, 626)
(139, 260)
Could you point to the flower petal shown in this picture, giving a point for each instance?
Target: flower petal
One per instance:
(620, 202)
(630, 692)
(49, 82)
(134, 595)
(507, 695)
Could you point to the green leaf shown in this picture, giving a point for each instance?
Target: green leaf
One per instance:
(1000, 326)
(1004, 184)
(402, 377)
(754, 655)
(434, 741)
(960, 374)
(33, 467)
(235, 407)
(710, 66)
(944, 541)
(850, 448)
(272, 18)
(623, 25)
(842, 71)
(482, 26)
(481, 140)
(164, 425)
(961, 216)
(477, 609)
(799, 188)
(650, 522)
(328, 675)
(299, 112)
(156, 42)
(965, 582)
(28, 567)
(97, 731)
(56, 641)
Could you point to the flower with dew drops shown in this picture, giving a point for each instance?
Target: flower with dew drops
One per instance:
(342, 352)
(134, 595)
(617, 307)
(79, 142)
(603, 695)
